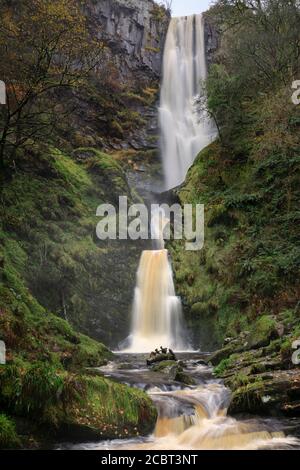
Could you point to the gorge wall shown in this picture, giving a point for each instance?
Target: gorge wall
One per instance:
(111, 128)
(135, 32)
(121, 102)
(108, 147)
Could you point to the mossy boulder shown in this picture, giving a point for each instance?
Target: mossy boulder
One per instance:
(73, 404)
(158, 357)
(272, 393)
(163, 365)
(110, 410)
(262, 332)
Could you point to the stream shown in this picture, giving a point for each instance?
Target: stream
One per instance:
(192, 417)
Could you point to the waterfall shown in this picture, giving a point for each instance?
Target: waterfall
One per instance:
(157, 312)
(157, 318)
(183, 132)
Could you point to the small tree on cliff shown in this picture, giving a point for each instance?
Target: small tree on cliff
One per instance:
(45, 47)
(168, 5)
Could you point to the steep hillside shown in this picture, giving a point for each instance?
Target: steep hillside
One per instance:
(51, 262)
(71, 133)
(242, 289)
(58, 172)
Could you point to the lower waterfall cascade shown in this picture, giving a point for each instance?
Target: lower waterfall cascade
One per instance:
(157, 312)
(191, 417)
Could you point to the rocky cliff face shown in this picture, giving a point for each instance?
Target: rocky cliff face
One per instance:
(126, 89)
(211, 39)
(135, 31)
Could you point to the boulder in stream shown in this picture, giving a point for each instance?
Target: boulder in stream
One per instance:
(164, 354)
(173, 370)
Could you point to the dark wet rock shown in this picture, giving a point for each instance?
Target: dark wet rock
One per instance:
(274, 393)
(168, 368)
(212, 38)
(173, 370)
(263, 379)
(156, 357)
(134, 32)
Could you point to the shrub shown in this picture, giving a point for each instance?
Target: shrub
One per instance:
(8, 435)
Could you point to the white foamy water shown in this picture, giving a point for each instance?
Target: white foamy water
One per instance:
(157, 313)
(206, 428)
(183, 132)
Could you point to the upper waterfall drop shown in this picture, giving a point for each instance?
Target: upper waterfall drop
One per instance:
(183, 132)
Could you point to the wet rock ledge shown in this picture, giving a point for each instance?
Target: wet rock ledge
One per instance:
(258, 368)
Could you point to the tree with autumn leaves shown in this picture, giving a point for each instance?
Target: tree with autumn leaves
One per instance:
(45, 47)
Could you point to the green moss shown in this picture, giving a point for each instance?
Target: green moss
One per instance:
(51, 262)
(68, 169)
(8, 436)
(249, 397)
(163, 365)
(249, 260)
(114, 409)
(158, 13)
(221, 369)
(286, 350)
(262, 331)
(90, 353)
(241, 380)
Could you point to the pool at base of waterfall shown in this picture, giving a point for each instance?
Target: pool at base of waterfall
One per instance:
(192, 417)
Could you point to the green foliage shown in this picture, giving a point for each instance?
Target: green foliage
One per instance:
(33, 390)
(36, 72)
(90, 353)
(8, 436)
(248, 179)
(47, 244)
(261, 331)
(220, 370)
(116, 409)
(249, 62)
